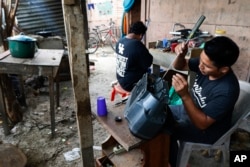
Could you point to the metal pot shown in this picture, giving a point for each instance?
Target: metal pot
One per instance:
(44, 33)
(22, 46)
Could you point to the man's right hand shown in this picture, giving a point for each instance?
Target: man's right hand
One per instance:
(181, 49)
(180, 63)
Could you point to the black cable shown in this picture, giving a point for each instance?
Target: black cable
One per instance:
(107, 157)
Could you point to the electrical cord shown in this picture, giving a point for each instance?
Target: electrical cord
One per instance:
(107, 157)
(116, 150)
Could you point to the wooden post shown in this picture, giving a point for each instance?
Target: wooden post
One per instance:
(3, 110)
(135, 12)
(74, 27)
(12, 108)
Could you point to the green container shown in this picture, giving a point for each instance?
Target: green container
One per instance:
(22, 46)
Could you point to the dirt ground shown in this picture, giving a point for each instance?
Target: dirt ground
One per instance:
(33, 134)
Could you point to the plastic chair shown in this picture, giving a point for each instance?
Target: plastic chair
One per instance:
(240, 120)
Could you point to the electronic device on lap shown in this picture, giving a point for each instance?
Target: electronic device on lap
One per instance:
(145, 109)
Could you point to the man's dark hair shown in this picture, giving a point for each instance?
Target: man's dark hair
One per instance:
(138, 28)
(222, 51)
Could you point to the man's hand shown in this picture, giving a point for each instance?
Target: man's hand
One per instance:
(196, 115)
(181, 49)
(180, 85)
(180, 63)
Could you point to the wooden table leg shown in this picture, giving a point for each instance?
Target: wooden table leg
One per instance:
(52, 105)
(6, 127)
(57, 91)
(156, 151)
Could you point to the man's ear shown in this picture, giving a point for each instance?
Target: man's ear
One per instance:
(141, 36)
(224, 69)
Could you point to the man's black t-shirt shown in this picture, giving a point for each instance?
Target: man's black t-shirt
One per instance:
(216, 98)
(132, 61)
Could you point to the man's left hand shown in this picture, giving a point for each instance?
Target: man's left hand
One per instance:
(180, 85)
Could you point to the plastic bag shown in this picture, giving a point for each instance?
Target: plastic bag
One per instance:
(173, 97)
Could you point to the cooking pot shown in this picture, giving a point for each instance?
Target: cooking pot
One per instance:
(22, 46)
(44, 33)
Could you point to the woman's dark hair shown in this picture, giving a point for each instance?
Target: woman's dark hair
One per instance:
(222, 51)
(138, 28)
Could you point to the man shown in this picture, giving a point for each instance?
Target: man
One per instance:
(207, 110)
(133, 58)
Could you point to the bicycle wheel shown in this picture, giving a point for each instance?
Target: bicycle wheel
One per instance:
(92, 45)
(93, 35)
(113, 41)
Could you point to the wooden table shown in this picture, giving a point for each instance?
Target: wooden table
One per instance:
(155, 151)
(161, 58)
(45, 62)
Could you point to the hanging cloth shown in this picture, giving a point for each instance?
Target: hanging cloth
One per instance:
(124, 24)
(127, 5)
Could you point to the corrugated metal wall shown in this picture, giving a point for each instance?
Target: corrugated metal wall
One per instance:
(40, 15)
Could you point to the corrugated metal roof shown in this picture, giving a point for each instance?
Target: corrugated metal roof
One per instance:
(40, 15)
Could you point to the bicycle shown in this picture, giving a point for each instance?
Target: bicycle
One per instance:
(100, 37)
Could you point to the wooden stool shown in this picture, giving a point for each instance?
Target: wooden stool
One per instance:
(11, 156)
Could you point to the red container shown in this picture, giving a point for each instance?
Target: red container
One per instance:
(173, 45)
